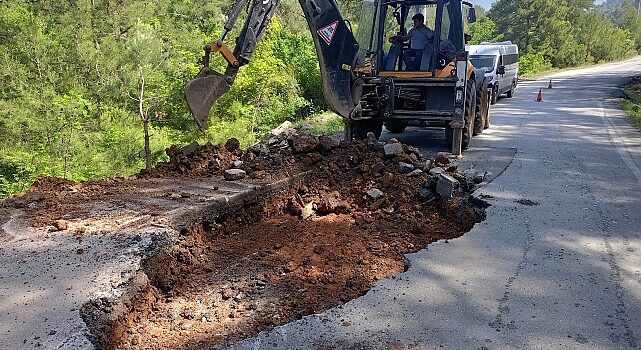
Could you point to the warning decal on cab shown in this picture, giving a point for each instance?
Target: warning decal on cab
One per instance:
(327, 32)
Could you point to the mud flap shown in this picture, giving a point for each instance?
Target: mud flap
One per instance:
(336, 48)
(202, 92)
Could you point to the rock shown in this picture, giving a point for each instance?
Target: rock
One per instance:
(307, 210)
(61, 225)
(234, 174)
(190, 148)
(405, 168)
(282, 128)
(237, 164)
(414, 173)
(415, 151)
(392, 140)
(442, 158)
(259, 149)
(431, 182)
(436, 171)
(375, 193)
(446, 186)
(232, 144)
(303, 143)
(392, 149)
(80, 251)
(425, 195)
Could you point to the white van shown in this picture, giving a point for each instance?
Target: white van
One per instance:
(501, 61)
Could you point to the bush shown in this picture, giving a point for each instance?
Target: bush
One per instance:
(532, 63)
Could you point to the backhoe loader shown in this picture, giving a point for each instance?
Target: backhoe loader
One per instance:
(369, 81)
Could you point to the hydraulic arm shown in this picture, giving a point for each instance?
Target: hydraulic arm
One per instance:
(335, 45)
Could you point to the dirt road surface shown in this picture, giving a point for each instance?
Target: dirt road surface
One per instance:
(557, 263)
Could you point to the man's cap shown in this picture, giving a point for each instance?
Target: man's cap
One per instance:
(418, 16)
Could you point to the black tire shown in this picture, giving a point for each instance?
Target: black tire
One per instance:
(510, 92)
(495, 94)
(395, 126)
(360, 128)
(488, 118)
(470, 113)
(482, 107)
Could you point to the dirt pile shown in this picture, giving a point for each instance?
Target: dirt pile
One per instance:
(362, 205)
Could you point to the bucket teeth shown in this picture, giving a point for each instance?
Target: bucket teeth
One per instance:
(202, 92)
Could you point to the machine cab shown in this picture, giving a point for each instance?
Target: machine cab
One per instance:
(413, 38)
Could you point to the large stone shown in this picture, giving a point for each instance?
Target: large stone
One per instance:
(237, 164)
(436, 171)
(392, 149)
(405, 168)
(425, 195)
(375, 193)
(415, 151)
(234, 174)
(282, 128)
(414, 173)
(446, 186)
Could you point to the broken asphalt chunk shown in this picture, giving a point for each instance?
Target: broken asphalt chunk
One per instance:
(234, 174)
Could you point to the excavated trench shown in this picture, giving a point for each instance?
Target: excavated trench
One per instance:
(311, 247)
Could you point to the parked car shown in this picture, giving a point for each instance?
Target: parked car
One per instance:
(501, 61)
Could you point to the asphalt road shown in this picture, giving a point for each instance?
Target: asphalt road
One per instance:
(559, 270)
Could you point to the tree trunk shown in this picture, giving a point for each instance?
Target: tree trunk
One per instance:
(145, 124)
(144, 117)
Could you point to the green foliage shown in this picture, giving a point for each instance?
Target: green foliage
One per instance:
(566, 33)
(532, 63)
(484, 30)
(633, 110)
(73, 72)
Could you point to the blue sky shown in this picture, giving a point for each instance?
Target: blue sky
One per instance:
(488, 3)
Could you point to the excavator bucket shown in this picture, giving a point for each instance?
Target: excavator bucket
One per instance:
(202, 92)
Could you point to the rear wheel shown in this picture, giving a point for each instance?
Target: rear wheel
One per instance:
(395, 126)
(510, 92)
(360, 128)
(470, 113)
(482, 108)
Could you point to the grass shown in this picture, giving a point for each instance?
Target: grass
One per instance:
(325, 123)
(632, 104)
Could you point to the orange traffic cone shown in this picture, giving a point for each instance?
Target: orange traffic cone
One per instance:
(539, 96)
(550, 84)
